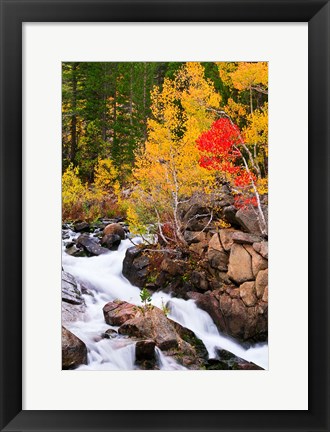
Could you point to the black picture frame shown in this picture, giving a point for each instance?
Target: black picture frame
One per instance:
(13, 14)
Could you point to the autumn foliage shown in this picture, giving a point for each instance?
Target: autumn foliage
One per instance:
(219, 151)
(141, 139)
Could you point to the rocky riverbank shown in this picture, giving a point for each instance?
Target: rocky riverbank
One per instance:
(222, 266)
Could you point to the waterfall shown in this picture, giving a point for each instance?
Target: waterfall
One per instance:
(102, 276)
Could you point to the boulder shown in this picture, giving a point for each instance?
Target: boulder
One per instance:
(261, 283)
(265, 295)
(258, 262)
(172, 267)
(210, 303)
(248, 219)
(145, 350)
(118, 312)
(240, 264)
(75, 250)
(73, 303)
(229, 361)
(199, 280)
(199, 248)
(74, 351)
(71, 292)
(226, 237)
(136, 266)
(81, 227)
(229, 214)
(216, 255)
(91, 245)
(245, 238)
(111, 241)
(65, 235)
(110, 334)
(151, 324)
(197, 216)
(248, 293)
(115, 228)
(231, 315)
(195, 237)
(261, 248)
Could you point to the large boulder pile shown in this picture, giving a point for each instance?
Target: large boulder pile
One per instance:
(224, 269)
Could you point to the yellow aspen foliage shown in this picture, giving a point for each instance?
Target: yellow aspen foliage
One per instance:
(74, 193)
(249, 76)
(235, 110)
(225, 70)
(262, 186)
(105, 177)
(256, 131)
(168, 169)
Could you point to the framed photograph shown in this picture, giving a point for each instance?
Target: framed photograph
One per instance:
(138, 145)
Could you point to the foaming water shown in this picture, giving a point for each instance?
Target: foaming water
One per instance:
(102, 275)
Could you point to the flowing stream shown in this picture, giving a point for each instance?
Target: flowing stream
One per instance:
(102, 276)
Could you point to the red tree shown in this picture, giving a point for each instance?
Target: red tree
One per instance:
(220, 149)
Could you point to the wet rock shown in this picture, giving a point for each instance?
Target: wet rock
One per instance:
(261, 282)
(65, 235)
(73, 303)
(111, 241)
(118, 312)
(81, 227)
(74, 351)
(91, 245)
(240, 264)
(232, 316)
(153, 324)
(73, 250)
(229, 361)
(135, 266)
(72, 313)
(145, 350)
(110, 334)
(86, 291)
(115, 228)
(173, 339)
(71, 292)
(210, 304)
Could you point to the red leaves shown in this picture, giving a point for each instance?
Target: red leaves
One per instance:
(219, 141)
(241, 202)
(219, 151)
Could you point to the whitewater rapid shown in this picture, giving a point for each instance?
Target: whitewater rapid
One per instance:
(102, 276)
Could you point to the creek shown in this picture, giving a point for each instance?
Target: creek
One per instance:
(102, 276)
